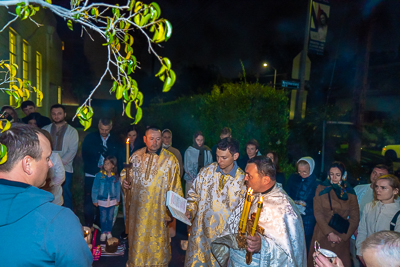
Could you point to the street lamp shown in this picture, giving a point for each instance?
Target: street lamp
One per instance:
(266, 65)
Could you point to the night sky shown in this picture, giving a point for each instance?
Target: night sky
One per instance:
(210, 38)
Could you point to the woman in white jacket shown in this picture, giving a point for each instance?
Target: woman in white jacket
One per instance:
(380, 214)
(196, 157)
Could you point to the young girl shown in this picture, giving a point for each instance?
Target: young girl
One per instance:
(106, 194)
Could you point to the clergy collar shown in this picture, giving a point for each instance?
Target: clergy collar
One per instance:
(157, 152)
(268, 190)
(232, 172)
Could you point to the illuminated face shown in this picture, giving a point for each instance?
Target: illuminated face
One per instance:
(304, 170)
(108, 166)
(32, 122)
(167, 138)
(199, 140)
(225, 159)
(104, 130)
(41, 167)
(271, 157)
(253, 178)
(152, 139)
(29, 109)
(251, 151)
(376, 173)
(132, 136)
(58, 115)
(384, 192)
(335, 174)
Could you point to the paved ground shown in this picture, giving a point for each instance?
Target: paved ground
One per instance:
(178, 255)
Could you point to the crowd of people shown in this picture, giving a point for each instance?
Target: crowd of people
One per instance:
(358, 225)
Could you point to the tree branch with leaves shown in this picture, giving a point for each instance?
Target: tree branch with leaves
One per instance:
(115, 25)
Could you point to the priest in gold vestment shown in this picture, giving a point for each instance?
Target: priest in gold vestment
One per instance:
(214, 194)
(155, 171)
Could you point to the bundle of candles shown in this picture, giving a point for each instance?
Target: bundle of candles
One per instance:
(246, 210)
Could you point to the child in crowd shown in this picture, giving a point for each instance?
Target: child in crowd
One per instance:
(106, 194)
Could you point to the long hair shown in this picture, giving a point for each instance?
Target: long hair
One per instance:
(275, 160)
(114, 162)
(393, 182)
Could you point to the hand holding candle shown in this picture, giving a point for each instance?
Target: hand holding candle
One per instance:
(127, 151)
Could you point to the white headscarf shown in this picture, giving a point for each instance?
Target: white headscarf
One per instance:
(310, 162)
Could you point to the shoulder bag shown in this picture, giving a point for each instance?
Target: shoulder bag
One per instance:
(337, 222)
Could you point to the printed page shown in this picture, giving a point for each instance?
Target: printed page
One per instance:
(177, 206)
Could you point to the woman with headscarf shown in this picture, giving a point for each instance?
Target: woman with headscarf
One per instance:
(336, 197)
(196, 157)
(301, 188)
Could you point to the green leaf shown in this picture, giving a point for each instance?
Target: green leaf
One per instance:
(157, 8)
(69, 24)
(140, 98)
(138, 116)
(128, 110)
(18, 9)
(168, 30)
(48, 1)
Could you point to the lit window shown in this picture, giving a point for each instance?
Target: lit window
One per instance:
(25, 64)
(13, 57)
(38, 78)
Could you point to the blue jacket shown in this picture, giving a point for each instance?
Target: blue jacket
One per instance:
(35, 232)
(104, 186)
(303, 189)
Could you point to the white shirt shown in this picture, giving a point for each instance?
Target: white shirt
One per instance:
(69, 147)
(376, 218)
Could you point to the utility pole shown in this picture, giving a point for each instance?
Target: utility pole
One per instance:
(303, 60)
(360, 87)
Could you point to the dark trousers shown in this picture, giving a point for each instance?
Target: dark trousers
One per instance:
(67, 195)
(106, 218)
(91, 212)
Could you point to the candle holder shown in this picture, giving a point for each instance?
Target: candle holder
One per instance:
(128, 177)
(241, 237)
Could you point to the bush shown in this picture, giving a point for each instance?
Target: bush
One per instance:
(251, 110)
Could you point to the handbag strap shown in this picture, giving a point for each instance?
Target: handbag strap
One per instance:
(330, 202)
(394, 221)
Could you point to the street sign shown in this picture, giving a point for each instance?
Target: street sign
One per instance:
(291, 84)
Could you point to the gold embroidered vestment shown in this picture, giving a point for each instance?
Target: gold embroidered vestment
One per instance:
(153, 176)
(211, 200)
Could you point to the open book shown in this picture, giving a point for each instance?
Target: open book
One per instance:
(177, 207)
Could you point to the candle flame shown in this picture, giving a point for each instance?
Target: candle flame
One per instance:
(261, 199)
(127, 141)
(248, 190)
(251, 192)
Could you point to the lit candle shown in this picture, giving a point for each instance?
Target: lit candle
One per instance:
(246, 215)
(259, 208)
(244, 209)
(127, 151)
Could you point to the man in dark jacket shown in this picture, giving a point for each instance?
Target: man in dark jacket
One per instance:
(34, 232)
(95, 148)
